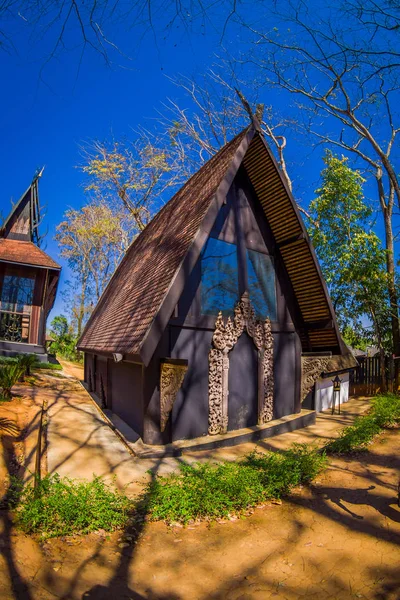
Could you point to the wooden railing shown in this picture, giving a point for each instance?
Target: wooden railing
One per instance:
(14, 327)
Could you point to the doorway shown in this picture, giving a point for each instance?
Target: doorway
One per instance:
(243, 384)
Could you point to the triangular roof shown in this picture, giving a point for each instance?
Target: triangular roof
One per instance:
(134, 310)
(23, 221)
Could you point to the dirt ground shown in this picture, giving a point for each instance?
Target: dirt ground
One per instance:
(19, 426)
(73, 369)
(340, 539)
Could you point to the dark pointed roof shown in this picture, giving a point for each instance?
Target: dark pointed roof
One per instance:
(138, 302)
(19, 236)
(131, 300)
(23, 221)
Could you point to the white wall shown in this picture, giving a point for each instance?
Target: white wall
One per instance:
(324, 392)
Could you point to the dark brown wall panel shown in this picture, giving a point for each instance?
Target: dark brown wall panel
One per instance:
(126, 393)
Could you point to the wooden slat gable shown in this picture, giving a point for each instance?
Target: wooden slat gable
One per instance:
(295, 248)
(23, 221)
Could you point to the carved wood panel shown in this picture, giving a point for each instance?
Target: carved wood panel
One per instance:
(225, 336)
(171, 379)
(311, 369)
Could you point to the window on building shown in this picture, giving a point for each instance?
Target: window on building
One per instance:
(17, 293)
(261, 284)
(219, 278)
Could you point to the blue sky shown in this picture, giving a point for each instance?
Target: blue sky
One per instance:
(44, 119)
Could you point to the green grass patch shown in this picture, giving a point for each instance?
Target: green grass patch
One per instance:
(61, 506)
(385, 412)
(7, 360)
(47, 365)
(217, 490)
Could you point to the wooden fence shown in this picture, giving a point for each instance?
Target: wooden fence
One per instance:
(366, 379)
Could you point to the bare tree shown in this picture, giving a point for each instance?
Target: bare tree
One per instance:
(97, 24)
(222, 104)
(342, 66)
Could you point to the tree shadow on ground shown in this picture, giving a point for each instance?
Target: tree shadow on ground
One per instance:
(8, 427)
(257, 579)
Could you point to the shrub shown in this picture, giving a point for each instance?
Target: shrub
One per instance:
(218, 490)
(62, 506)
(10, 360)
(9, 375)
(64, 339)
(26, 362)
(7, 360)
(385, 412)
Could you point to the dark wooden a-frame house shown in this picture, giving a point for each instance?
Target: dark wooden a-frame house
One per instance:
(28, 279)
(218, 318)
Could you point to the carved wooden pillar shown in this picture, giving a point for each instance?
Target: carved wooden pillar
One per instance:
(311, 369)
(225, 391)
(171, 378)
(261, 386)
(215, 391)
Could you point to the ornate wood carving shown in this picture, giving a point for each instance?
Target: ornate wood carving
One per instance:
(311, 369)
(171, 379)
(225, 336)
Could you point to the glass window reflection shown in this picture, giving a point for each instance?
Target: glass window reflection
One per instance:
(219, 278)
(261, 284)
(17, 293)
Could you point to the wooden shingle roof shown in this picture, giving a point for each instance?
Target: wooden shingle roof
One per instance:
(25, 253)
(134, 295)
(137, 303)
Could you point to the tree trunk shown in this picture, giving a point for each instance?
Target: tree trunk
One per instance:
(383, 370)
(387, 210)
(381, 350)
(81, 307)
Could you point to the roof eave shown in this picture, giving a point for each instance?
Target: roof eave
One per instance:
(311, 247)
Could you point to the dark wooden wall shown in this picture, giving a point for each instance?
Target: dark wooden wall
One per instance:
(118, 385)
(189, 335)
(125, 383)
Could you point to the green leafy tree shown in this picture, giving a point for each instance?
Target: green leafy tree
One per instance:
(357, 339)
(65, 339)
(352, 258)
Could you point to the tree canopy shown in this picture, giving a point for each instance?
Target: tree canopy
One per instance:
(351, 254)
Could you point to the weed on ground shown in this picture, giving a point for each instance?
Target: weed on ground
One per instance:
(385, 412)
(217, 490)
(61, 506)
